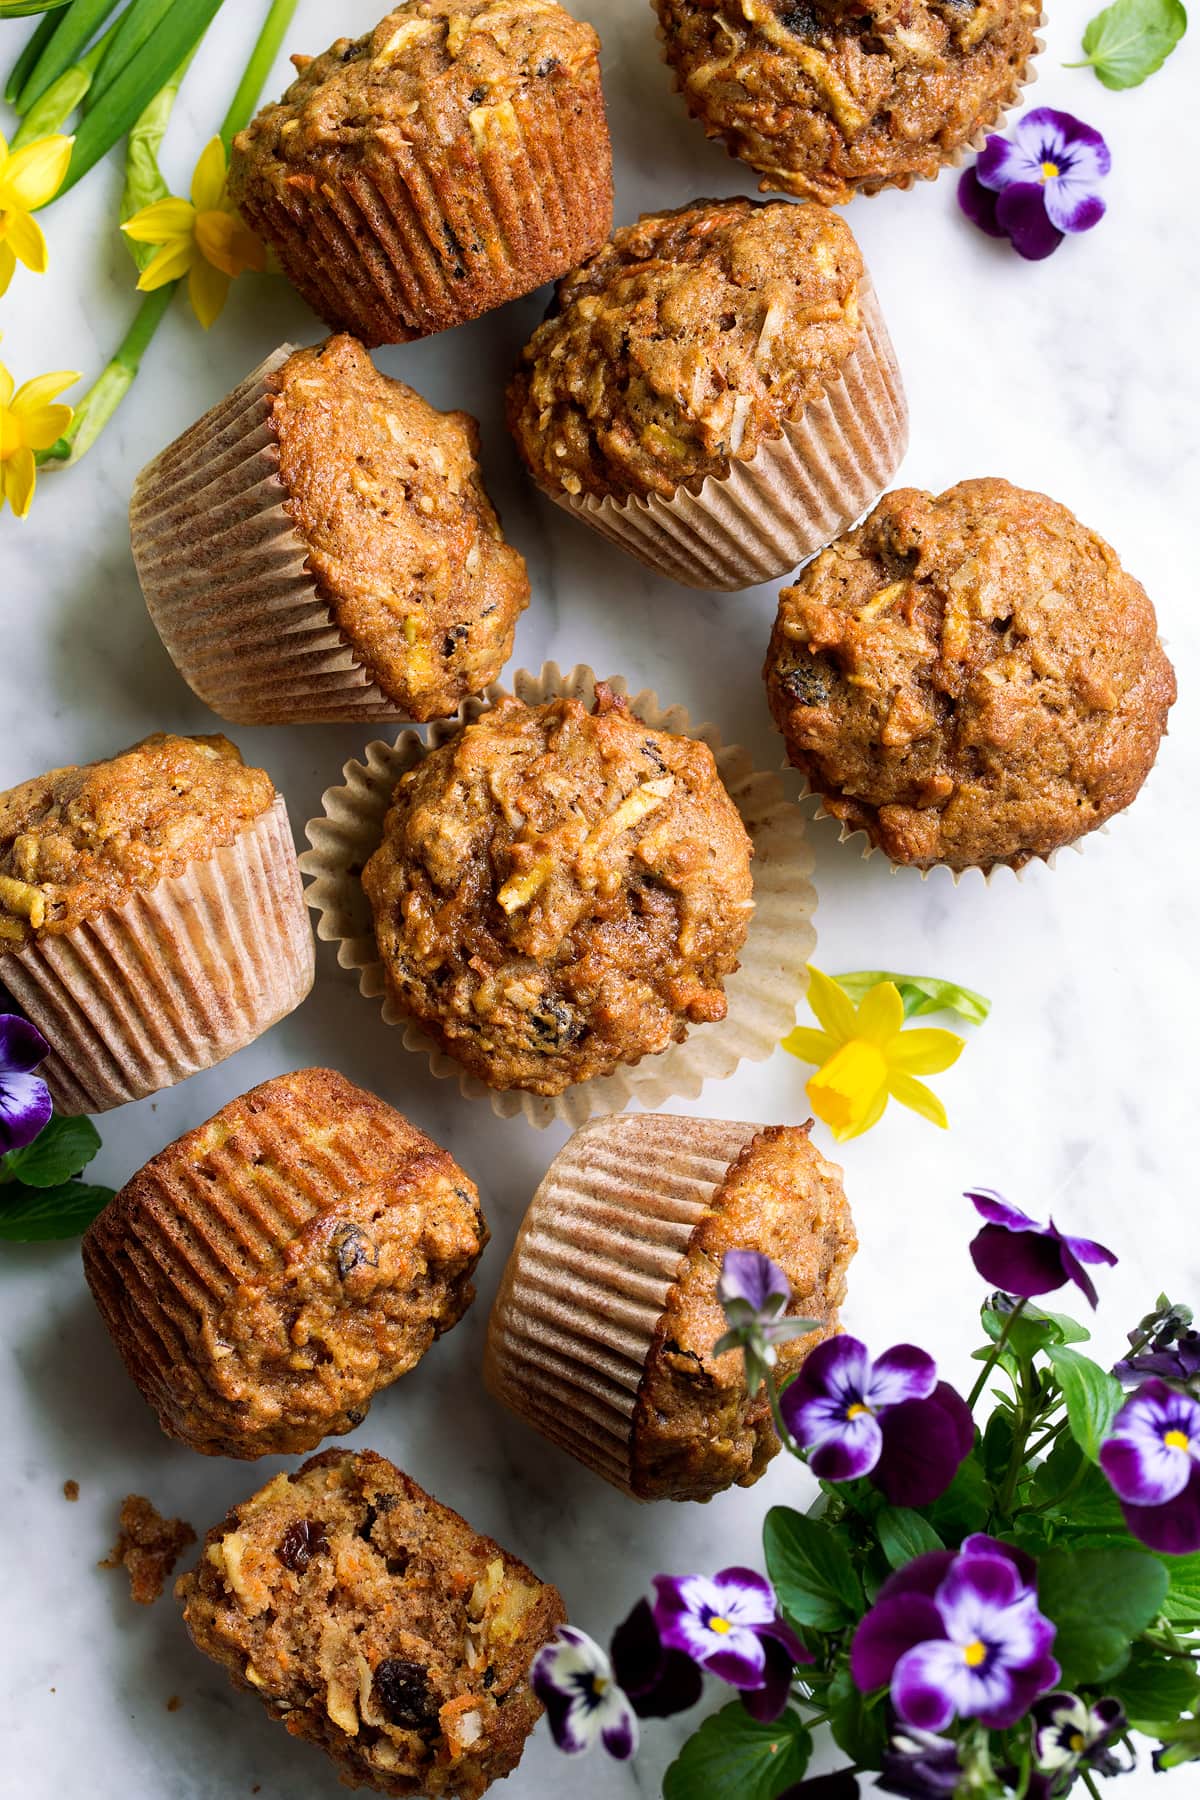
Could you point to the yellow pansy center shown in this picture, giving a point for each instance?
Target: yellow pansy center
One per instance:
(1049, 171)
(719, 1625)
(599, 1684)
(975, 1653)
(1176, 1440)
(1077, 1742)
(856, 1411)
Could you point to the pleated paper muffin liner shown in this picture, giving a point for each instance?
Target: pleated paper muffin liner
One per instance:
(174, 979)
(762, 994)
(590, 1273)
(796, 493)
(397, 250)
(225, 576)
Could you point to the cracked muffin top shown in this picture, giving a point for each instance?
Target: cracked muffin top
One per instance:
(826, 99)
(403, 542)
(683, 343)
(970, 678)
(78, 840)
(559, 891)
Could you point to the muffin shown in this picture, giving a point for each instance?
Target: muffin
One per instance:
(320, 546)
(151, 916)
(827, 101)
(970, 679)
(714, 390)
(559, 891)
(454, 158)
(266, 1274)
(603, 1332)
(374, 1622)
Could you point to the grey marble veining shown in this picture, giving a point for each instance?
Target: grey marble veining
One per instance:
(1075, 376)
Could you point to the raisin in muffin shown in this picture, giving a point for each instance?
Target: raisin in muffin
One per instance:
(268, 1273)
(559, 891)
(619, 1367)
(971, 678)
(338, 559)
(374, 1622)
(453, 158)
(827, 100)
(151, 916)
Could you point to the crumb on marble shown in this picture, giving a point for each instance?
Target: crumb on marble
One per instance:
(148, 1547)
(70, 1490)
(174, 1703)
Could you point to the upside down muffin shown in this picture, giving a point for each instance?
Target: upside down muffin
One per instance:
(455, 157)
(559, 891)
(374, 1622)
(970, 678)
(826, 99)
(605, 1326)
(266, 1274)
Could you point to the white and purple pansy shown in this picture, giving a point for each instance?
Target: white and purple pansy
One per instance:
(1017, 1254)
(958, 1635)
(1068, 1734)
(1039, 186)
(25, 1104)
(1152, 1459)
(574, 1681)
(890, 1418)
(729, 1624)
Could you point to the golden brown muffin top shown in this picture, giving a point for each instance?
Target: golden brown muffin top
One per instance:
(403, 542)
(971, 678)
(683, 343)
(376, 1623)
(78, 840)
(826, 100)
(559, 891)
(430, 72)
(696, 1430)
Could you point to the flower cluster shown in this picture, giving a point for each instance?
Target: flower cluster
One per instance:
(202, 238)
(1039, 187)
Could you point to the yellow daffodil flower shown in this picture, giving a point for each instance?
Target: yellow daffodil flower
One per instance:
(29, 421)
(204, 239)
(28, 179)
(865, 1057)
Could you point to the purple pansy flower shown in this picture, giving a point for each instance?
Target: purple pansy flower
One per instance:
(573, 1679)
(25, 1104)
(754, 1291)
(1068, 1734)
(658, 1681)
(891, 1419)
(1016, 1253)
(958, 1636)
(729, 1624)
(1039, 186)
(919, 1765)
(1152, 1460)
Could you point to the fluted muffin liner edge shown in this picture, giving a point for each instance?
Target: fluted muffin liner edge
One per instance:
(590, 1273)
(777, 508)
(175, 978)
(763, 994)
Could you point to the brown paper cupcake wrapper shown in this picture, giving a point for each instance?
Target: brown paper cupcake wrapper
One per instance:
(589, 1276)
(224, 572)
(787, 501)
(763, 994)
(396, 251)
(173, 980)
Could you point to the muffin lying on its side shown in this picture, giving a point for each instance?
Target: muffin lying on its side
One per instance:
(971, 679)
(265, 1275)
(372, 1621)
(151, 916)
(320, 546)
(559, 891)
(603, 1331)
(452, 159)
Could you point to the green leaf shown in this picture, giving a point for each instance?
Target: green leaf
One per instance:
(920, 993)
(904, 1534)
(21, 70)
(1100, 1600)
(1154, 1689)
(1183, 1595)
(965, 1505)
(24, 9)
(1131, 39)
(75, 31)
(1034, 1330)
(38, 1215)
(1093, 1397)
(137, 25)
(735, 1754)
(1074, 1494)
(859, 1726)
(64, 1148)
(811, 1569)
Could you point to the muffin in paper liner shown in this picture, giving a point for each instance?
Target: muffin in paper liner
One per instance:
(762, 994)
(174, 979)
(581, 1303)
(787, 501)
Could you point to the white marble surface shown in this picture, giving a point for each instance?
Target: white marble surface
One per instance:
(1076, 376)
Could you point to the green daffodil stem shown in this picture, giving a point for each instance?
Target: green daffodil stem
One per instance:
(994, 1358)
(270, 39)
(51, 112)
(105, 395)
